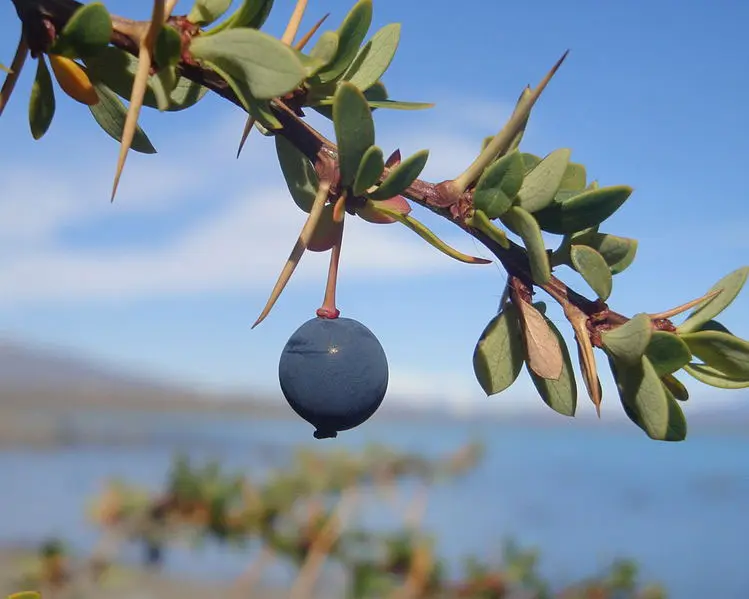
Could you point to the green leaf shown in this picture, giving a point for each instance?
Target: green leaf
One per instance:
(675, 387)
(351, 34)
(168, 47)
(714, 377)
(560, 394)
(593, 268)
(714, 325)
(498, 185)
(205, 12)
(530, 161)
(731, 285)
(370, 168)
(110, 114)
(265, 64)
(667, 352)
(583, 210)
(618, 252)
(116, 69)
(574, 177)
(299, 173)
(398, 105)
(723, 351)
(374, 58)
(647, 402)
(251, 13)
(163, 83)
(88, 30)
(354, 129)
(627, 343)
(424, 232)
(41, 101)
(499, 354)
(542, 182)
(324, 51)
(401, 176)
(522, 222)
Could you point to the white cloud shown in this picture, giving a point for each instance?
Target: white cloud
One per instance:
(241, 245)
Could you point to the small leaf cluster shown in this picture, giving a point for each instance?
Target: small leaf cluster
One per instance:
(643, 360)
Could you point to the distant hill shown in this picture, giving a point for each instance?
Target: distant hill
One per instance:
(34, 378)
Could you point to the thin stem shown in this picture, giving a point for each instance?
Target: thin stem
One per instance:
(329, 308)
(22, 51)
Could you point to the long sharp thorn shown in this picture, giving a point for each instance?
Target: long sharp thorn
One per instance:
(504, 138)
(684, 307)
(246, 133)
(294, 22)
(308, 36)
(145, 55)
(298, 251)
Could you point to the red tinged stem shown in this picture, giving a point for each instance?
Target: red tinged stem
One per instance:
(328, 308)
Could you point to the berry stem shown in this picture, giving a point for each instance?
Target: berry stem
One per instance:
(328, 308)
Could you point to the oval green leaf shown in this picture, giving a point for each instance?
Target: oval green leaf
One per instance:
(722, 351)
(401, 176)
(88, 30)
(324, 51)
(627, 343)
(675, 387)
(574, 177)
(110, 113)
(354, 129)
(251, 13)
(167, 50)
(371, 167)
(560, 394)
(540, 185)
(205, 12)
(299, 173)
(524, 224)
(267, 66)
(499, 184)
(116, 69)
(374, 58)
(582, 210)
(593, 268)
(351, 34)
(714, 377)
(499, 354)
(41, 101)
(618, 252)
(731, 285)
(647, 402)
(667, 352)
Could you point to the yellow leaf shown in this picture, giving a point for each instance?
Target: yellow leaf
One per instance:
(73, 80)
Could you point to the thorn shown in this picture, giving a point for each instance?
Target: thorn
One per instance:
(9, 84)
(296, 19)
(684, 307)
(245, 134)
(303, 42)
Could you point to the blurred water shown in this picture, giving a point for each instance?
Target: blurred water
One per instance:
(584, 496)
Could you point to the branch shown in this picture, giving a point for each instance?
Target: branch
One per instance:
(38, 15)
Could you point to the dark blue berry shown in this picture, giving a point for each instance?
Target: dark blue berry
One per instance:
(334, 374)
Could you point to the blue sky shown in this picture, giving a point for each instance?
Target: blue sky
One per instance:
(169, 279)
